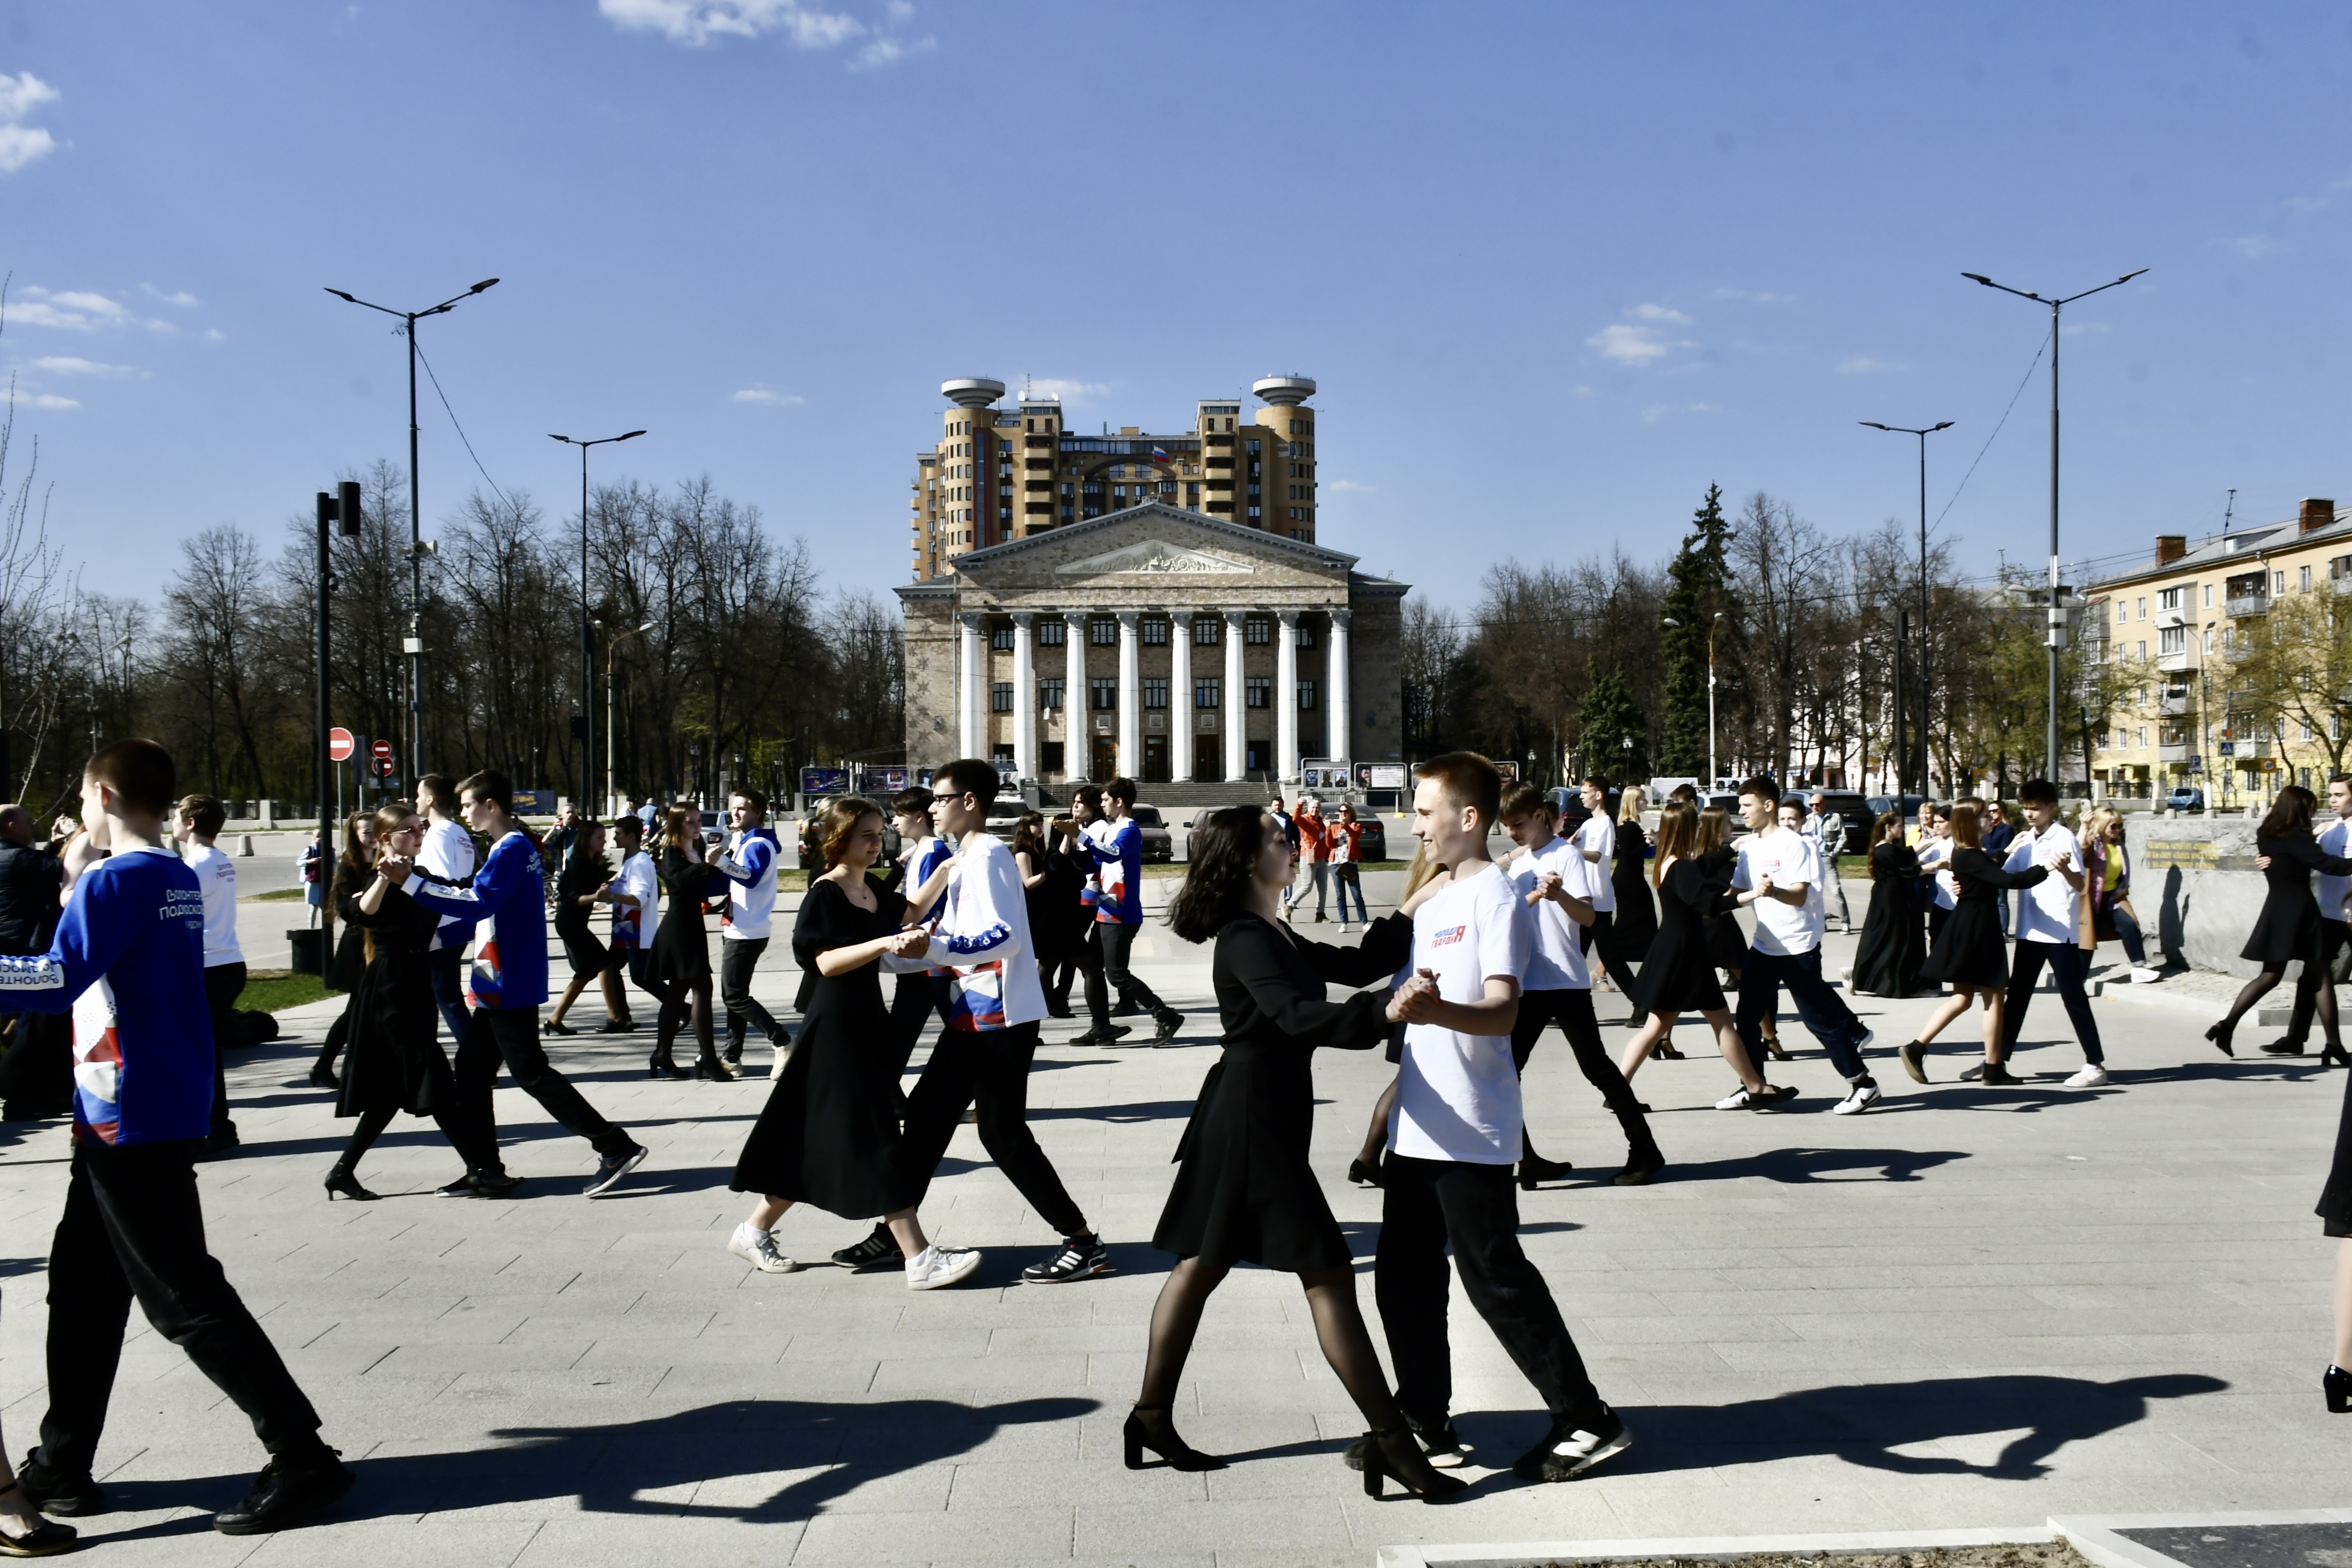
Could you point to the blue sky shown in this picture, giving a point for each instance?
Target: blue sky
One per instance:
(1557, 267)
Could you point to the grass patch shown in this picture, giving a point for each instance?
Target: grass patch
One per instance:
(274, 896)
(275, 990)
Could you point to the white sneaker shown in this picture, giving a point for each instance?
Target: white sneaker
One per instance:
(2092, 1076)
(1745, 1098)
(1863, 1044)
(758, 1247)
(2144, 976)
(1345, 928)
(937, 1267)
(1864, 1097)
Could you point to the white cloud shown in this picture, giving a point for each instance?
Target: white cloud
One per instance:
(890, 51)
(178, 296)
(701, 21)
(1629, 345)
(1067, 390)
(21, 145)
(73, 311)
(1659, 313)
(51, 400)
(20, 95)
(2253, 247)
(1350, 485)
(1862, 364)
(1753, 297)
(761, 394)
(214, 335)
(70, 364)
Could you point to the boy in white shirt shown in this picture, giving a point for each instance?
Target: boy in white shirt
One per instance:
(449, 854)
(1596, 841)
(197, 823)
(2049, 928)
(1779, 875)
(1454, 1136)
(1551, 876)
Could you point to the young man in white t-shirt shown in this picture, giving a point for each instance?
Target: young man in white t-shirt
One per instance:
(1456, 1133)
(1552, 876)
(1780, 874)
(1596, 842)
(197, 823)
(449, 854)
(2048, 931)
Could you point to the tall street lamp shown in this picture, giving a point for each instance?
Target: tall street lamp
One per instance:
(414, 644)
(612, 725)
(2055, 638)
(587, 627)
(1923, 434)
(1711, 627)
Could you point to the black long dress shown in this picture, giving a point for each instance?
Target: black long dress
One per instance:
(1634, 926)
(1889, 960)
(578, 877)
(2288, 927)
(1244, 1192)
(1971, 951)
(829, 1133)
(350, 960)
(681, 942)
(1678, 975)
(395, 1060)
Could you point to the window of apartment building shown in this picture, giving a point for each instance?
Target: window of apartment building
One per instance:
(2278, 582)
(1049, 694)
(2143, 653)
(1208, 692)
(999, 697)
(1155, 691)
(1105, 693)
(2143, 609)
(2304, 585)
(1254, 513)
(2335, 726)
(2209, 595)
(1297, 533)
(1103, 632)
(1155, 631)
(1257, 631)
(1251, 447)
(1192, 490)
(2122, 612)
(1258, 691)
(1307, 694)
(2170, 599)
(2172, 639)
(2208, 639)
(1049, 633)
(2306, 723)
(2143, 737)
(1204, 630)
(1000, 637)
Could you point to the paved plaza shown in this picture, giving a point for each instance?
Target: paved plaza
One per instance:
(1969, 1309)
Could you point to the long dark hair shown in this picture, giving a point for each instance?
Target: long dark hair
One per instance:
(1887, 829)
(355, 849)
(1677, 827)
(2291, 817)
(1217, 881)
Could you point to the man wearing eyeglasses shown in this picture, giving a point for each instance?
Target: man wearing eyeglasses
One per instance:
(994, 1000)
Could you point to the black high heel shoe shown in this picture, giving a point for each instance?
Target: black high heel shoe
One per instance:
(341, 1183)
(663, 1065)
(2333, 1057)
(1179, 1454)
(558, 1026)
(2338, 1386)
(2219, 1035)
(1395, 1453)
(1665, 1051)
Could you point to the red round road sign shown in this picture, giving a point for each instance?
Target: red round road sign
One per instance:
(381, 750)
(339, 745)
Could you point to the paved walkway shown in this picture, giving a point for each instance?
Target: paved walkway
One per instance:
(1967, 1309)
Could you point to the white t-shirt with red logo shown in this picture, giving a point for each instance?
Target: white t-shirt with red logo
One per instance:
(1458, 1095)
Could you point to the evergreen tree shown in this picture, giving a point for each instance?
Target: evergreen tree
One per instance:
(1699, 586)
(1606, 718)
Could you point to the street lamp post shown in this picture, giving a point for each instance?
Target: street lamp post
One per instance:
(2055, 638)
(587, 627)
(1712, 626)
(1922, 434)
(414, 644)
(612, 725)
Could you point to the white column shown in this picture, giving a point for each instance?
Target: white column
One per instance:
(969, 674)
(1180, 696)
(1286, 695)
(1130, 696)
(1236, 715)
(1075, 718)
(1342, 741)
(1025, 697)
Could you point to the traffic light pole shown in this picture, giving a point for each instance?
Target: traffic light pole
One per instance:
(342, 508)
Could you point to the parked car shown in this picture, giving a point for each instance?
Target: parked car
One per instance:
(1909, 805)
(1159, 844)
(1855, 813)
(2187, 797)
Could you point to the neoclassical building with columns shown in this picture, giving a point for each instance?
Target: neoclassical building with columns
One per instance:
(1157, 643)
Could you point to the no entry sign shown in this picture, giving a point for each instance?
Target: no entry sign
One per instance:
(380, 751)
(339, 744)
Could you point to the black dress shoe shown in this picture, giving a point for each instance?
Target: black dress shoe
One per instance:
(69, 1497)
(323, 1076)
(1533, 1169)
(879, 1250)
(617, 1027)
(2284, 1048)
(1639, 1171)
(287, 1492)
(553, 1028)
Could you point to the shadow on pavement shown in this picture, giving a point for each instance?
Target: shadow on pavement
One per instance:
(1801, 1164)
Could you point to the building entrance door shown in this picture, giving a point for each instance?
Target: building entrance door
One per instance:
(1105, 766)
(1155, 759)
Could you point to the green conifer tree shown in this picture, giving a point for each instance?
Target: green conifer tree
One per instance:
(1698, 587)
(1606, 718)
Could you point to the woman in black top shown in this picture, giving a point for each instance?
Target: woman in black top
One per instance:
(354, 870)
(1970, 955)
(1244, 1191)
(396, 1062)
(681, 963)
(583, 881)
(2288, 928)
(1887, 960)
(1634, 926)
(1678, 975)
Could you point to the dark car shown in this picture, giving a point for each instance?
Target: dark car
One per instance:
(1372, 844)
(1854, 813)
(1159, 844)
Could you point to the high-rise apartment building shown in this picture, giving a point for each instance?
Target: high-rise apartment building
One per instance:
(998, 474)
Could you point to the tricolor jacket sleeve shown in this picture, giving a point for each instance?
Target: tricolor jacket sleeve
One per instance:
(83, 949)
(746, 861)
(974, 927)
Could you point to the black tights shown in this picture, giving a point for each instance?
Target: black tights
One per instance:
(2314, 981)
(374, 1123)
(675, 1012)
(1338, 1329)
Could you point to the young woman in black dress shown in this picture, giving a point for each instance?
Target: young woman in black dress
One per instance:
(1887, 960)
(681, 962)
(583, 881)
(1635, 925)
(1244, 1192)
(354, 870)
(2288, 928)
(1678, 975)
(829, 1135)
(395, 1061)
(1970, 956)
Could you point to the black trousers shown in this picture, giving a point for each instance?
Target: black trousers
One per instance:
(1572, 1011)
(1059, 972)
(737, 957)
(2068, 964)
(1601, 934)
(1113, 974)
(446, 965)
(2333, 934)
(990, 1068)
(912, 1002)
(1820, 1009)
(511, 1033)
(1427, 1205)
(224, 983)
(36, 1075)
(133, 1227)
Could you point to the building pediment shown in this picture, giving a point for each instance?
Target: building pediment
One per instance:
(1152, 541)
(1154, 558)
